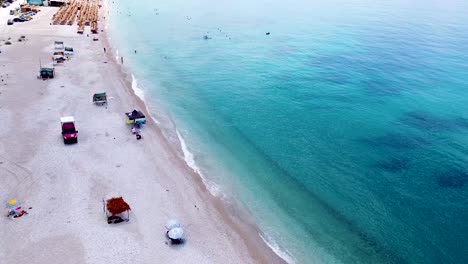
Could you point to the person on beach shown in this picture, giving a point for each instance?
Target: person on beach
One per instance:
(16, 212)
(104, 50)
(121, 60)
(135, 51)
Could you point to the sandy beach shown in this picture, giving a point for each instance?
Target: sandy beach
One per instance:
(64, 184)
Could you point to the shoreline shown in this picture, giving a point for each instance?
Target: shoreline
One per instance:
(254, 244)
(59, 177)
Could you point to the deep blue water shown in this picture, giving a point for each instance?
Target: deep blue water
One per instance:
(344, 132)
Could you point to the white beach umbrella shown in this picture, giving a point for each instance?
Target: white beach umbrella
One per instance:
(176, 233)
(172, 224)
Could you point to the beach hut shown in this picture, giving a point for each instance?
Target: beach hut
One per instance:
(135, 117)
(69, 52)
(117, 210)
(58, 45)
(100, 98)
(47, 73)
(59, 57)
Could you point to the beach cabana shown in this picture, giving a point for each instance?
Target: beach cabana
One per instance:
(69, 52)
(100, 98)
(58, 45)
(135, 117)
(59, 57)
(117, 210)
(47, 73)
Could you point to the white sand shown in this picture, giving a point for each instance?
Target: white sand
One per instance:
(65, 184)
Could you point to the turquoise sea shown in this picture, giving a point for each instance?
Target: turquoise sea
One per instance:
(344, 132)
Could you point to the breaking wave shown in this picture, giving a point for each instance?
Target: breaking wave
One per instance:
(189, 158)
(278, 251)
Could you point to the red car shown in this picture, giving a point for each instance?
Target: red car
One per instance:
(69, 133)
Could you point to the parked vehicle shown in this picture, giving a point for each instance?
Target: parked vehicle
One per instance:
(10, 22)
(12, 12)
(69, 133)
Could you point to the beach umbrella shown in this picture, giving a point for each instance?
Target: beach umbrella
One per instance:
(172, 224)
(176, 233)
(13, 203)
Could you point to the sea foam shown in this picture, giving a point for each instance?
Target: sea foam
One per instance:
(278, 251)
(139, 92)
(189, 158)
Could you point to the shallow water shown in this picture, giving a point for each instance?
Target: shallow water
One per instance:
(343, 132)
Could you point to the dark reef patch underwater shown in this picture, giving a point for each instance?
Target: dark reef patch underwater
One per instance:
(427, 121)
(452, 178)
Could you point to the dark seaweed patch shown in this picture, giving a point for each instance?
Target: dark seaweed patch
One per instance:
(427, 121)
(461, 122)
(453, 178)
(284, 77)
(333, 62)
(393, 165)
(397, 141)
(334, 78)
(381, 88)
